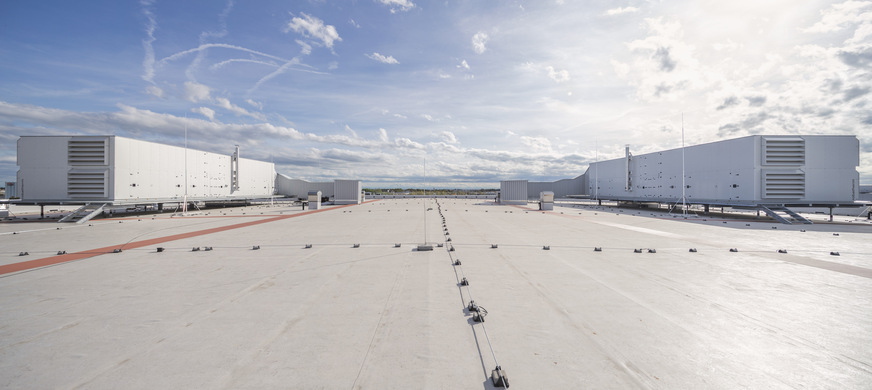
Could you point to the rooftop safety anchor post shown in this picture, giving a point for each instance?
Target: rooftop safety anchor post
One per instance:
(464, 282)
(499, 378)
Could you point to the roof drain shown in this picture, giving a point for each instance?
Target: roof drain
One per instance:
(693, 250)
(597, 249)
(834, 253)
(256, 247)
(160, 250)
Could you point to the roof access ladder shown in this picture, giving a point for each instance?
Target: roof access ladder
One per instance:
(784, 215)
(85, 213)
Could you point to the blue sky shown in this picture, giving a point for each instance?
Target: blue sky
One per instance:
(481, 90)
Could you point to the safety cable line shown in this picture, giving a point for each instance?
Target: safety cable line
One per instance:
(482, 311)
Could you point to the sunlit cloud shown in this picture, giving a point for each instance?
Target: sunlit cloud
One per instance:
(383, 59)
(314, 28)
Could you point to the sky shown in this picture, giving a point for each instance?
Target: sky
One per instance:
(456, 93)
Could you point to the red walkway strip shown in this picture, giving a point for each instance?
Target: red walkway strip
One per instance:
(27, 265)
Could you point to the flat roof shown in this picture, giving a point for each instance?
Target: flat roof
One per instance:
(643, 312)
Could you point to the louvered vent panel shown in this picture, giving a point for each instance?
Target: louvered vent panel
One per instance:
(784, 184)
(784, 151)
(86, 184)
(86, 152)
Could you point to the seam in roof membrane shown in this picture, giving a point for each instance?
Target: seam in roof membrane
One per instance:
(54, 260)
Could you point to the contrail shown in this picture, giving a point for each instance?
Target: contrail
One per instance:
(224, 45)
(148, 61)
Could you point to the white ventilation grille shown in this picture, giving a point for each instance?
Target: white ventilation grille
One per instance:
(784, 151)
(784, 184)
(86, 151)
(86, 183)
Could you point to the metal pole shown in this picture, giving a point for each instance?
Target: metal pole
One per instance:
(185, 205)
(683, 185)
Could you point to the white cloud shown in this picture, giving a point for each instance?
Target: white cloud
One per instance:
(353, 23)
(558, 75)
(463, 65)
(225, 104)
(401, 5)
(255, 104)
(154, 90)
(205, 111)
(312, 27)
(664, 65)
(428, 117)
(449, 137)
(305, 48)
(478, 42)
(380, 58)
(539, 144)
(619, 11)
(407, 143)
(195, 92)
(841, 15)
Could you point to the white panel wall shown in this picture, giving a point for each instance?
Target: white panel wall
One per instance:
(347, 192)
(513, 192)
(300, 188)
(560, 188)
(830, 168)
(43, 168)
(730, 172)
(140, 171)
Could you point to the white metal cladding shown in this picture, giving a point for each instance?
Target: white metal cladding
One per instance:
(561, 188)
(124, 170)
(747, 170)
(513, 191)
(347, 192)
(297, 188)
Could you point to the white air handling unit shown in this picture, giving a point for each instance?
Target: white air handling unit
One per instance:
(802, 170)
(117, 170)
